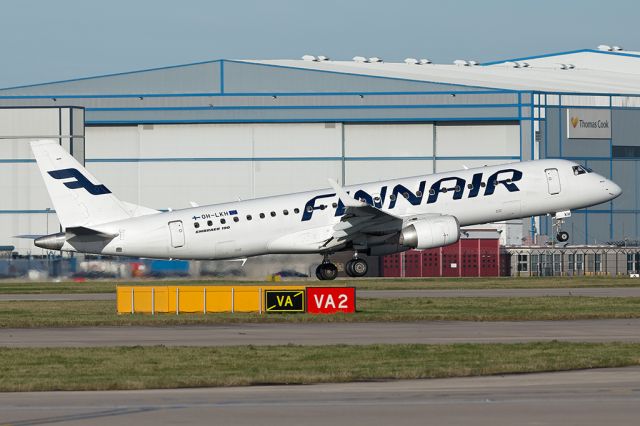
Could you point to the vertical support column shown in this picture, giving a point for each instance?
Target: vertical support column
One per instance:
(344, 166)
(153, 300)
(434, 146)
(204, 300)
(232, 299)
(177, 300)
(132, 301)
(260, 300)
(479, 259)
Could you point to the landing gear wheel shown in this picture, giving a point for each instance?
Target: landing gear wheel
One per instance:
(327, 271)
(356, 268)
(562, 236)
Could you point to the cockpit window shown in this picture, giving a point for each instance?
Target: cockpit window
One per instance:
(580, 170)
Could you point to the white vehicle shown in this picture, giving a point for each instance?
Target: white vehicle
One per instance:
(375, 218)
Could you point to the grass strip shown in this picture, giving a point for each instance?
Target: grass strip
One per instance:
(47, 369)
(27, 314)
(17, 287)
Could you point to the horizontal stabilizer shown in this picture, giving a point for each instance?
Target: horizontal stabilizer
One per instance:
(84, 231)
(29, 236)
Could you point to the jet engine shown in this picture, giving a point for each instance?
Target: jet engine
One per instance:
(431, 232)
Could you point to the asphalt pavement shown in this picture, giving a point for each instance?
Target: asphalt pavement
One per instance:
(585, 398)
(434, 332)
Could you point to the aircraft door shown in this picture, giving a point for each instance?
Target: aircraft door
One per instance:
(177, 233)
(553, 181)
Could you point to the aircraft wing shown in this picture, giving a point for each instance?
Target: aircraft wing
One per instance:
(362, 220)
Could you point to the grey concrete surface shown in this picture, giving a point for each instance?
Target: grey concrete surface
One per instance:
(392, 294)
(585, 398)
(504, 292)
(439, 332)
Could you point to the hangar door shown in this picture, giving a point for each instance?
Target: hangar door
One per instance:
(376, 152)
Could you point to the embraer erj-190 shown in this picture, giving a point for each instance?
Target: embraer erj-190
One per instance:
(374, 218)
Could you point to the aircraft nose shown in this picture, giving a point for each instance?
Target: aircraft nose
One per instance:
(612, 188)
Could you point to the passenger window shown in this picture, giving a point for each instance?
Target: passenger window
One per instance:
(223, 221)
(285, 212)
(296, 210)
(432, 191)
(470, 186)
(236, 218)
(273, 214)
(418, 193)
(249, 217)
(392, 197)
(209, 223)
(261, 215)
(309, 209)
(196, 225)
(334, 205)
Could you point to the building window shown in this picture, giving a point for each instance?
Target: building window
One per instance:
(597, 262)
(621, 151)
(579, 262)
(523, 263)
(572, 261)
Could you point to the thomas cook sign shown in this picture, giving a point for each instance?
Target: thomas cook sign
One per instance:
(588, 123)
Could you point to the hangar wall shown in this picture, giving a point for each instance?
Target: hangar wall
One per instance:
(162, 166)
(26, 208)
(613, 221)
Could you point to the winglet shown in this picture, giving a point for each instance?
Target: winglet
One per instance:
(346, 199)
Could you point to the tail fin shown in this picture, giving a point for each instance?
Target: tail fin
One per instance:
(79, 199)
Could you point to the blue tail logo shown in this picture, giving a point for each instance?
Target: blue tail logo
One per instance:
(80, 181)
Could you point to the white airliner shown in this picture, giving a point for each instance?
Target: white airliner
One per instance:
(374, 218)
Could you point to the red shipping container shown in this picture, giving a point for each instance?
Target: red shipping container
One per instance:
(330, 300)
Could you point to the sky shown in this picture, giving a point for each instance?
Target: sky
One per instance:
(44, 40)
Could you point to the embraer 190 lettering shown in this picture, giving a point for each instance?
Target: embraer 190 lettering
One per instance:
(374, 218)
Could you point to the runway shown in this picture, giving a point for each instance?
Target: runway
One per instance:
(585, 398)
(391, 294)
(433, 332)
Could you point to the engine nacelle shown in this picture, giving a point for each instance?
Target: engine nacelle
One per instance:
(432, 232)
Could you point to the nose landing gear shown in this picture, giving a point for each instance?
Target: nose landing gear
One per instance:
(561, 236)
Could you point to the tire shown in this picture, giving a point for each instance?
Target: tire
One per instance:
(562, 236)
(318, 272)
(348, 268)
(328, 271)
(359, 267)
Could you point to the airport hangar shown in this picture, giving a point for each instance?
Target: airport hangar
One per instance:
(223, 130)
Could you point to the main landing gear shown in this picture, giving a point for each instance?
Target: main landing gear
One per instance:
(355, 267)
(326, 271)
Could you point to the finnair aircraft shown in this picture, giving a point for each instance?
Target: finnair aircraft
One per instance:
(375, 218)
